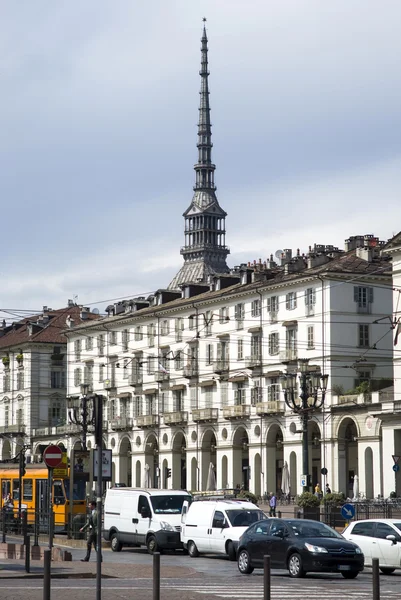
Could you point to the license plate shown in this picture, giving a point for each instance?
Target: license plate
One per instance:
(344, 568)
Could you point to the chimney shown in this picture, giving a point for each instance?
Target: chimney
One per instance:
(70, 303)
(84, 313)
(364, 254)
(45, 309)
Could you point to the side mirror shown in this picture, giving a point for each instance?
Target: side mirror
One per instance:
(145, 512)
(392, 538)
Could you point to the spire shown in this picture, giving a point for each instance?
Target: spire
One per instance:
(205, 252)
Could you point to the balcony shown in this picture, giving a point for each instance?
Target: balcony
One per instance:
(190, 370)
(17, 429)
(147, 421)
(109, 384)
(289, 354)
(240, 411)
(175, 418)
(163, 379)
(121, 423)
(220, 366)
(269, 408)
(200, 415)
(253, 362)
(135, 379)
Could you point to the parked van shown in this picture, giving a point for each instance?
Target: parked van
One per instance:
(215, 526)
(151, 518)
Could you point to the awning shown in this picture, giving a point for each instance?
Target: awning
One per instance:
(164, 347)
(223, 335)
(207, 383)
(150, 391)
(238, 378)
(178, 387)
(290, 323)
(254, 329)
(124, 395)
(273, 374)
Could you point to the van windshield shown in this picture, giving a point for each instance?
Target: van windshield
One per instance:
(244, 518)
(168, 504)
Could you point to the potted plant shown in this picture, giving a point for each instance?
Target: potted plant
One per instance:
(6, 361)
(310, 505)
(19, 357)
(246, 495)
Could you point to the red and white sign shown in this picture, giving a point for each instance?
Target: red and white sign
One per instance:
(53, 456)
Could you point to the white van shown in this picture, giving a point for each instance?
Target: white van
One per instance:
(136, 517)
(215, 526)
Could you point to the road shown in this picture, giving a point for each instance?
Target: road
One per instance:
(212, 577)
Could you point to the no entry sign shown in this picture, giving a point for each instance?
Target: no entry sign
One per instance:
(53, 456)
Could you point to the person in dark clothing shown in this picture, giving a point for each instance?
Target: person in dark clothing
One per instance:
(92, 525)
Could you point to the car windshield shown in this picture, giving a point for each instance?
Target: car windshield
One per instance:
(309, 529)
(244, 518)
(168, 504)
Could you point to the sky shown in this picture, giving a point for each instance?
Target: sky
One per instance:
(99, 106)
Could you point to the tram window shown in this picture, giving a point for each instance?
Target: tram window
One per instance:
(15, 489)
(27, 489)
(5, 488)
(79, 489)
(58, 493)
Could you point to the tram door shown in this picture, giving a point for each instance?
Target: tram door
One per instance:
(42, 502)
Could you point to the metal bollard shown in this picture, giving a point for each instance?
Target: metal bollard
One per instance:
(36, 530)
(156, 576)
(27, 543)
(376, 580)
(47, 557)
(4, 525)
(279, 514)
(266, 577)
(24, 518)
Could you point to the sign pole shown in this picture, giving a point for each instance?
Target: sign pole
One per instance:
(51, 519)
(72, 462)
(99, 492)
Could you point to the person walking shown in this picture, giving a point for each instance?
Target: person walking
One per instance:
(318, 491)
(272, 504)
(92, 524)
(328, 489)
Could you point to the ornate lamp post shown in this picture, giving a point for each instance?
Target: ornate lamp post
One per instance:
(312, 396)
(81, 413)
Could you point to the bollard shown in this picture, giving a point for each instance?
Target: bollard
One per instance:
(299, 515)
(4, 522)
(47, 557)
(266, 577)
(24, 518)
(36, 529)
(27, 542)
(156, 576)
(376, 580)
(279, 514)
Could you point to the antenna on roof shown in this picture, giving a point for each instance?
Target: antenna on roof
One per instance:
(95, 311)
(278, 253)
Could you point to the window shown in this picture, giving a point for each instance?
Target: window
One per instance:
(77, 349)
(223, 355)
(223, 315)
(207, 393)
(363, 336)
(137, 407)
(240, 350)
(6, 416)
(240, 315)
(58, 493)
(311, 337)
(112, 409)
(100, 344)
(363, 529)
(101, 373)
(193, 398)
(208, 316)
(218, 519)
(291, 300)
(273, 390)
(56, 412)
(27, 487)
(363, 296)
(239, 394)
(20, 380)
(151, 364)
(57, 379)
(178, 400)
(6, 382)
(383, 530)
(89, 343)
(310, 301)
(125, 367)
(179, 360)
(274, 343)
(151, 335)
(138, 335)
(256, 394)
(255, 308)
(124, 406)
(192, 322)
(151, 404)
(179, 328)
(256, 345)
(125, 339)
(113, 338)
(88, 374)
(165, 327)
(209, 354)
(77, 377)
(272, 307)
(363, 377)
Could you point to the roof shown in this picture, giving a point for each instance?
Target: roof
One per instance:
(348, 264)
(50, 332)
(393, 243)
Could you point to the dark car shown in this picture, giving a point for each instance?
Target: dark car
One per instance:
(299, 545)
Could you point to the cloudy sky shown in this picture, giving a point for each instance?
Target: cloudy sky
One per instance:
(98, 135)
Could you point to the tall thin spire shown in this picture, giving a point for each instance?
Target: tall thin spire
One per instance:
(205, 252)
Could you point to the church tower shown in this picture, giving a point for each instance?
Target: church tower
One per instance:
(205, 252)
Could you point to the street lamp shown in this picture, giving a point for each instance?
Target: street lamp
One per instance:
(313, 392)
(81, 413)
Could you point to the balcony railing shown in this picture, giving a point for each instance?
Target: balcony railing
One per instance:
(110, 383)
(236, 412)
(147, 421)
(289, 354)
(205, 414)
(121, 423)
(221, 365)
(251, 362)
(190, 370)
(135, 379)
(268, 408)
(18, 428)
(174, 418)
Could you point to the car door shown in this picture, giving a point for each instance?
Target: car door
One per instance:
(390, 553)
(257, 541)
(362, 534)
(217, 537)
(143, 519)
(279, 539)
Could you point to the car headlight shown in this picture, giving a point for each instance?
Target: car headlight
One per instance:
(358, 550)
(166, 526)
(316, 549)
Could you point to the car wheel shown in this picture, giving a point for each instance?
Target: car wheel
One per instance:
(231, 551)
(244, 563)
(152, 545)
(349, 574)
(192, 549)
(387, 570)
(295, 567)
(116, 545)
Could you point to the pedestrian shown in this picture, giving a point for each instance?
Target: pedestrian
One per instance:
(272, 504)
(92, 524)
(328, 490)
(318, 491)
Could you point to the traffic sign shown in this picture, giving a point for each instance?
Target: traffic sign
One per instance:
(395, 459)
(304, 479)
(348, 511)
(53, 456)
(396, 468)
(62, 469)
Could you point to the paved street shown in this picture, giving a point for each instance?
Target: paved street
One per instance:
(129, 576)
